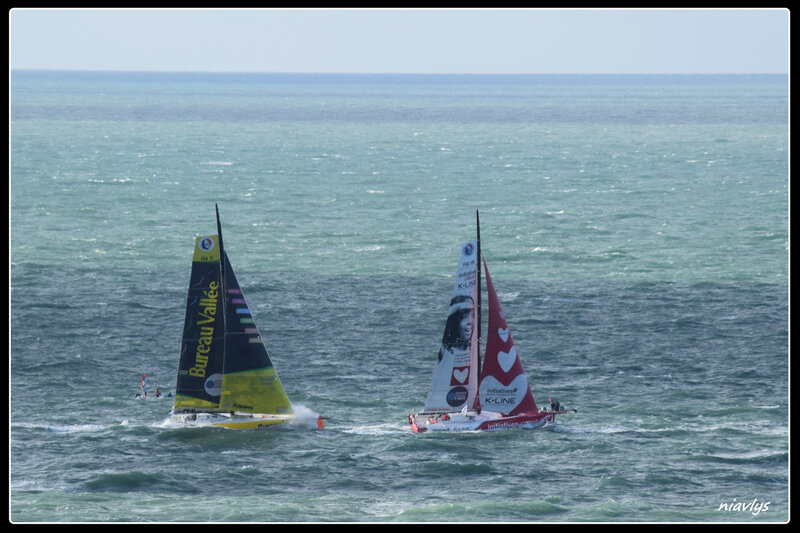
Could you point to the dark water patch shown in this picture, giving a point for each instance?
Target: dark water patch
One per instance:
(136, 482)
(452, 469)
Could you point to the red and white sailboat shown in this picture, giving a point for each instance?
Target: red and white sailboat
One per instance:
(463, 396)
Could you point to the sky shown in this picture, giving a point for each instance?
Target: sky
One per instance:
(419, 41)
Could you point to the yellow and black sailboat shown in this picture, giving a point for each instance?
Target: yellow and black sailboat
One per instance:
(225, 375)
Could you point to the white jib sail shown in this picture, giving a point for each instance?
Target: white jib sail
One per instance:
(455, 377)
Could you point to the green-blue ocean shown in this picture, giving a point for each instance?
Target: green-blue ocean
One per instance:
(637, 232)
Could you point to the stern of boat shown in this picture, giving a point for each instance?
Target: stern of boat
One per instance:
(412, 421)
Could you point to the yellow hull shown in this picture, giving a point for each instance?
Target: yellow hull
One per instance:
(256, 423)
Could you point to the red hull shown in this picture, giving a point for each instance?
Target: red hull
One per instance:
(518, 421)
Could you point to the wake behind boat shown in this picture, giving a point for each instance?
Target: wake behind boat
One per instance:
(463, 396)
(225, 376)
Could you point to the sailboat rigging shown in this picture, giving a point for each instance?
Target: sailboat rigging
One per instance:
(225, 375)
(468, 396)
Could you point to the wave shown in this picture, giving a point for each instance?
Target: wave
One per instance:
(69, 428)
(467, 511)
(762, 457)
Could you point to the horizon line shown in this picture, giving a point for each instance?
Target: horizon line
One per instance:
(366, 73)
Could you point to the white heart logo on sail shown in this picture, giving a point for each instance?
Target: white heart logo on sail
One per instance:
(503, 333)
(502, 398)
(461, 375)
(506, 359)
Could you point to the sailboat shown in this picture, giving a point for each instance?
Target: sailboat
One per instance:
(463, 396)
(225, 376)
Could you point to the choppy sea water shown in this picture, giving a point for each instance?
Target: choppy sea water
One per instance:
(636, 228)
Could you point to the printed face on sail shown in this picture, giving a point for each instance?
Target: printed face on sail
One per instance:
(459, 328)
(466, 324)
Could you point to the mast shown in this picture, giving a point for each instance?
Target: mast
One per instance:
(479, 265)
(219, 236)
(224, 283)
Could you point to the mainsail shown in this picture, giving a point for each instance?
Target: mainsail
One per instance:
(202, 349)
(504, 386)
(224, 365)
(455, 377)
